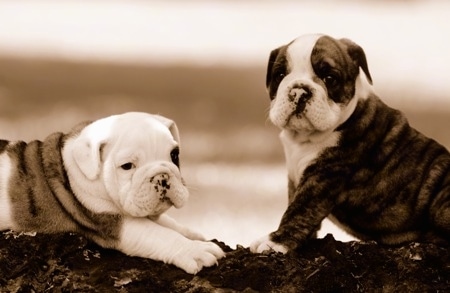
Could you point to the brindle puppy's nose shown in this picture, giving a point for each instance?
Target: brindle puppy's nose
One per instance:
(300, 95)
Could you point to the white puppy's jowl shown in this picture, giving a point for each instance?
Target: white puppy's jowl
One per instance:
(110, 180)
(349, 156)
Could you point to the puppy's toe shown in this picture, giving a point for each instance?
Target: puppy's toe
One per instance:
(214, 249)
(207, 254)
(265, 244)
(190, 266)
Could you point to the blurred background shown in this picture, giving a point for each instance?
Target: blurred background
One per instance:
(202, 63)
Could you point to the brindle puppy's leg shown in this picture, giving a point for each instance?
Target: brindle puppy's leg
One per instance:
(292, 190)
(302, 219)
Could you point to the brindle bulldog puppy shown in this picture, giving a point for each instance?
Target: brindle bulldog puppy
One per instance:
(349, 156)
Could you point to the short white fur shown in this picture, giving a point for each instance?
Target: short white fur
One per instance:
(145, 230)
(5, 205)
(150, 239)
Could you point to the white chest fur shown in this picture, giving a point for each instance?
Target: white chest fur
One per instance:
(5, 207)
(300, 154)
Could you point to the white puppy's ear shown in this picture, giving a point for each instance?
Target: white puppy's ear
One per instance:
(87, 156)
(87, 147)
(171, 125)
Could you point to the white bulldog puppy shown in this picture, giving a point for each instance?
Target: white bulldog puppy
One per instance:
(110, 180)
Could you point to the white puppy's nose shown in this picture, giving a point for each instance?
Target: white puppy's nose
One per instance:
(162, 186)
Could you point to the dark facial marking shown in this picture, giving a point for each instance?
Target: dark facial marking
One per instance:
(277, 69)
(3, 144)
(336, 63)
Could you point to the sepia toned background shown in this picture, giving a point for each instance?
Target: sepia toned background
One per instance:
(202, 63)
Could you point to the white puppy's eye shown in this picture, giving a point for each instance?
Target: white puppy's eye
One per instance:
(127, 166)
(175, 156)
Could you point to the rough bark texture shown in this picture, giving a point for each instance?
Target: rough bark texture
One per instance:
(70, 263)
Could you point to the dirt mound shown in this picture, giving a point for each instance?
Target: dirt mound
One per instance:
(69, 262)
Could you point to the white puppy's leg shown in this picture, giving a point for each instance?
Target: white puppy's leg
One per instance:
(166, 221)
(145, 238)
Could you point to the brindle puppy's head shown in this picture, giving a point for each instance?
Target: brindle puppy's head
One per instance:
(314, 83)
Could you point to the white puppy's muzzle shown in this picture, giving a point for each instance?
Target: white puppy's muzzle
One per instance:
(162, 184)
(154, 189)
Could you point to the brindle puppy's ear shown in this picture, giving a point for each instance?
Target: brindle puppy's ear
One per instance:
(358, 56)
(273, 56)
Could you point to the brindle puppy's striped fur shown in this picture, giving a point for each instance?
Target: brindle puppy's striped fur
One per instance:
(349, 156)
(384, 180)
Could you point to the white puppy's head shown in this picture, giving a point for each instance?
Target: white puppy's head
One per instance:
(314, 83)
(129, 162)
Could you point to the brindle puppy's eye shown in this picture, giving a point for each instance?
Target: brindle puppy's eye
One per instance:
(278, 76)
(331, 80)
(127, 166)
(175, 156)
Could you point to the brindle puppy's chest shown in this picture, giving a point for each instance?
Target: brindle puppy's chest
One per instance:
(301, 155)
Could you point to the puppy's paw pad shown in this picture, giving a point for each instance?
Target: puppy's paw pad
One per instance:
(265, 244)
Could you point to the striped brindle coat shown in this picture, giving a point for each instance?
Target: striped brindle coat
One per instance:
(349, 156)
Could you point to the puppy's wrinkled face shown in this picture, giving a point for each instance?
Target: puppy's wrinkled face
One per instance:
(312, 82)
(136, 157)
(141, 167)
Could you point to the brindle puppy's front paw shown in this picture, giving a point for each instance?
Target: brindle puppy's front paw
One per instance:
(198, 255)
(265, 244)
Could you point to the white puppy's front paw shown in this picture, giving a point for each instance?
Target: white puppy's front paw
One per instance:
(265, 244)
(197, 255)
